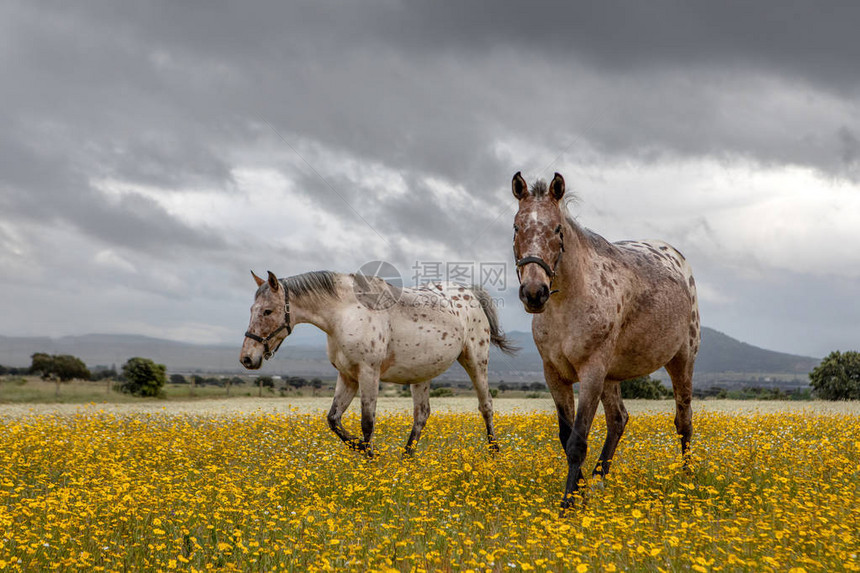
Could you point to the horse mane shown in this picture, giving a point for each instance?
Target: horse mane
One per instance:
(314, 283)
(539, 188)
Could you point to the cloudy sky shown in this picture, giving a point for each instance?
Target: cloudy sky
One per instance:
(151, 153)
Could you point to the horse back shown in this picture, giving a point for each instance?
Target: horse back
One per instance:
(658, 311)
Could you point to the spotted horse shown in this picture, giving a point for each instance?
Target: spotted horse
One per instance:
(603, 313)
(378, 332)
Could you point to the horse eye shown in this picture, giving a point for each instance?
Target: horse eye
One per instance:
(516, 229)
(267, 312)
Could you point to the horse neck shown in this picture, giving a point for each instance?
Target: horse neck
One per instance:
(320, 310)
(570, 275)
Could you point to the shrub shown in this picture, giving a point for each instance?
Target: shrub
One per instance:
(837, 377)
(436, 392)
(143, 377)
(644, 387)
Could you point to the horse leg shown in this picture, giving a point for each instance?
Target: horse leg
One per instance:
(616, 420)
(680, 370)
(368, 383)
(344, 392)
(591, 388)
(475, 365)
(565, 405)
(420, 413)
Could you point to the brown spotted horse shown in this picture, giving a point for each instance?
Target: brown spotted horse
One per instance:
(603, 312)
(380, 332)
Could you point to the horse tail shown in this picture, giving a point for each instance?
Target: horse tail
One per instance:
(497, 337)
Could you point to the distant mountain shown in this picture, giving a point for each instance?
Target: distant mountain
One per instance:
(722, 353)
(719, 353)
(304, 354)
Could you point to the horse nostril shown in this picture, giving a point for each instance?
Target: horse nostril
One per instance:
(543, 295)
(246, 360)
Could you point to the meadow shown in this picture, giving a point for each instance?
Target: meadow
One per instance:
(267, 487)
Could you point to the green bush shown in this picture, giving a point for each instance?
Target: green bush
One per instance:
(644, 387)
(837, 377)
(143, 377)
(437, 392)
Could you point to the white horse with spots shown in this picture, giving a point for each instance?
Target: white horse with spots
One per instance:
(377, 332)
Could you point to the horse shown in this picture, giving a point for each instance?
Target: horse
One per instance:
(602, 313)
(378, 332)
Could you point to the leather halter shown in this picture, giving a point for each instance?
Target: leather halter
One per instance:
(265, 341)
(550, 270)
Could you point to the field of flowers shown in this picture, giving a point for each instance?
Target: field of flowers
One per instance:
(262, 492)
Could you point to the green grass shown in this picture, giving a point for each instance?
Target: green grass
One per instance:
(34, 390)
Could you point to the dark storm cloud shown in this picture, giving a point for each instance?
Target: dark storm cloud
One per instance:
(167, 91)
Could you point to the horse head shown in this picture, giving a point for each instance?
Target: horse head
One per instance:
(538, 238)
(270, 322)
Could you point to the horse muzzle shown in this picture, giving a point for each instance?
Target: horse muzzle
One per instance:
(534, 296)
(250, 362)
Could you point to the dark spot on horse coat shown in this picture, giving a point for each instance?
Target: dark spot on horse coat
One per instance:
(444, 335)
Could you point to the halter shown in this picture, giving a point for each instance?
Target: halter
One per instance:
(550, 270)
(265, 341)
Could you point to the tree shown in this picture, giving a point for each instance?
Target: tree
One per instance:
(837, 377)
(143, 377)
(60, 368)
(266, 381)
(644, 387)
(43, 364)
(68, 367)
(316, 384)
(178, 379)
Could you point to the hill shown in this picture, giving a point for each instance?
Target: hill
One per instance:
(722, 353)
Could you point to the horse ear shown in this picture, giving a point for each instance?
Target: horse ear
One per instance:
(519, 186)
(556, 188)
(257, 279)
(273, 281)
